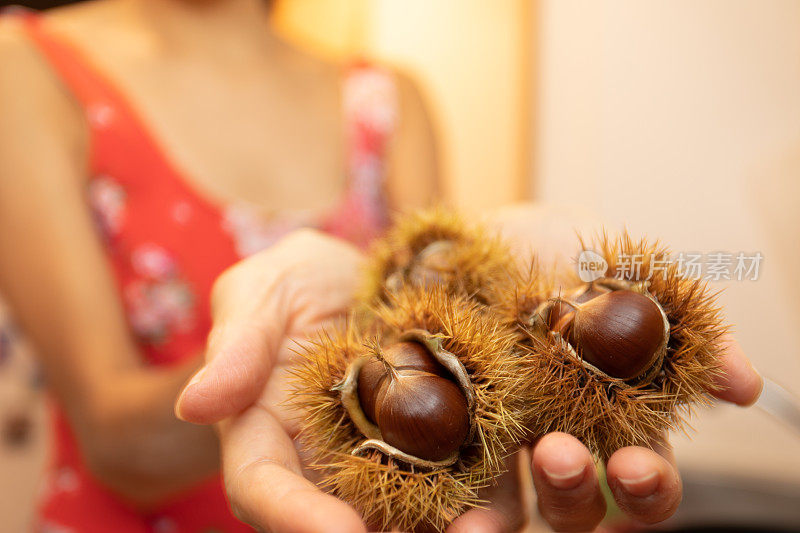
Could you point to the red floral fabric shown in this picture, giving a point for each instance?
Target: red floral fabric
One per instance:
(166, 244)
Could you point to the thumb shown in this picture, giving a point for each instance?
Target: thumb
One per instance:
(239, 358)
(250, 312)
(256, 304)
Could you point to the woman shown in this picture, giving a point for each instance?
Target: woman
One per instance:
(196, 136)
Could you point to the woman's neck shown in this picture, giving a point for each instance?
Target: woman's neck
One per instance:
(224, 26)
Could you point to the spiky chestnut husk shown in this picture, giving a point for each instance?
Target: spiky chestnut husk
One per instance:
(437, 247)
(517, 300)
(386, 490)
(608, 413)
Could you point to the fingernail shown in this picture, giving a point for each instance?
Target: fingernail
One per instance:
(565, 480)
(197, 377)
(193, 381)
(760, 388)
(641, 486)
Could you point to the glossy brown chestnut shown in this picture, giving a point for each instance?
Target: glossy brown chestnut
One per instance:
(620, 332)
(414, 401)
(559, 308)
(402, 356)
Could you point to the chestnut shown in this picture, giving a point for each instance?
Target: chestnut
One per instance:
(623, 333)
(433, 264)
(548, 315)
(414, 401)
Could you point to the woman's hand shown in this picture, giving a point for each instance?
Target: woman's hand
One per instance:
(645, 483)
(260, 305)
(308, 280)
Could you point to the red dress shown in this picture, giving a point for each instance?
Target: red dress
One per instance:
(167, 243)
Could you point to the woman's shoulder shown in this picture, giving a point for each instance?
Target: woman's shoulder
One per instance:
(26, 79)
(33, 100)
(82, 15)
(16, 50)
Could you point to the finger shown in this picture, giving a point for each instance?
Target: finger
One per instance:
(645, 484)
(265, 485)
(505, 512)
(568, 491)
(249, 308)
(739, 383)
(239, 356)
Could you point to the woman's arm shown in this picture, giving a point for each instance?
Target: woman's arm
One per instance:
(60, 287)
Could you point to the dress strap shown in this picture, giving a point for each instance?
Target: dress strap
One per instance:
(370, 104)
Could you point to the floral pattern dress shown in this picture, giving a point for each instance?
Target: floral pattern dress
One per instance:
(166, 244)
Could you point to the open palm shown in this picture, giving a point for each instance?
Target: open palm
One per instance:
(266, 304)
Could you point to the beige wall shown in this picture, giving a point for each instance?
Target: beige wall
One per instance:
(471, 59)
(681, 119)
(332, 27)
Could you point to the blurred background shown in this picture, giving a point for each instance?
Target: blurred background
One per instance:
(679, 119)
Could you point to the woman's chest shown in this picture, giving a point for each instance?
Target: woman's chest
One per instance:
(256, 143)
(247, 131)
